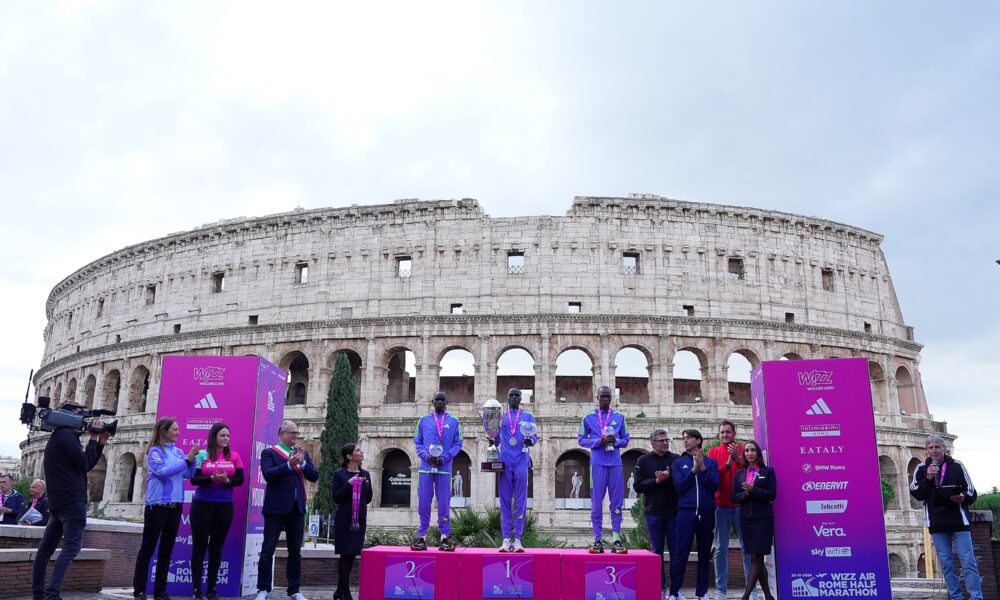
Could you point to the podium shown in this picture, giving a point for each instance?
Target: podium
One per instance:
(391, 572)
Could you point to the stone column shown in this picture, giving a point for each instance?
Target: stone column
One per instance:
(544, 378)
(607, 375)
(155, 376)
(484, 390)
(370, 394)
(544, 485)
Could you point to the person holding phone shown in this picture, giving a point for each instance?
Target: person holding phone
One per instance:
(944, 486)
(217, 470)
(754, 492)
(285, 467)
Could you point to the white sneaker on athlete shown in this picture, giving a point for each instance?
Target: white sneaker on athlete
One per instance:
(505, 546)
(517, 547)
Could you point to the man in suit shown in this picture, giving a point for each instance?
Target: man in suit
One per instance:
(285, 467)
(39, 502)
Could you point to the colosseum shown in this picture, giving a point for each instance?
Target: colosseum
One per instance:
(423, 295)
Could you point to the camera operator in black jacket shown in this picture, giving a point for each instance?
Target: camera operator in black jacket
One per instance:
(945, 488)
(66, 466)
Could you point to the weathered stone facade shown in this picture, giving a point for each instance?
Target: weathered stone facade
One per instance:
(382, 283)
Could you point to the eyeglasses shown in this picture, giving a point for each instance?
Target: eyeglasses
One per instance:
(291, 433)
(660, 441)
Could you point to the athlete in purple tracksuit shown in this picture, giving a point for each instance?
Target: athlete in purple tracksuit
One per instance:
(513, 484)
(605, 467)
(442, 429)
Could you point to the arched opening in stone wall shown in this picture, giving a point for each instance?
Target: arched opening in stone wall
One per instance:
(877, 376)
(572, 479)
(457, 377)
(887, 471)
(790, 356)
(910, 468)
(516, 369)
(354, 360)
(395, 479)
(297, 366)
(95, 480)
(897, 566)
(739, 365)
(125, 472)
(688, 367)
(402, 377)
(461, 480)
(574, 376)
(57, 397)
(922, 566)
(629, 459)
(89, 387)
(905, 392)
(71, 390)
(111, 389)
(632, 376)
(138, 389)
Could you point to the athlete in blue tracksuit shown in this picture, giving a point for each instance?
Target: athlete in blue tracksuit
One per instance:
(605, 467)
(513, 483)
(696, 477)
(440, 428)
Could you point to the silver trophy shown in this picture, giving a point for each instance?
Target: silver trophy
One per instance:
(492, 415)
(609, 430)
(528, 429)
(435, 450)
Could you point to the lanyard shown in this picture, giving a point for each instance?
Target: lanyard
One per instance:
(752, 475)
(439, 425)
(34, 502)
(944, 468)
(513, 422)
(603, 422)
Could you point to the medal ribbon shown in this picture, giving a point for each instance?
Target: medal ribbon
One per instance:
(602, 422)
(356, 486)
(513, 422)
(440, 425)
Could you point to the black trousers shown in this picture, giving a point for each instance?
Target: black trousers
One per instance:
(160, 525)
(210, 523)
(293, 524)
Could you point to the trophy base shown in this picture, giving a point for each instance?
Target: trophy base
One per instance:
(491, 466)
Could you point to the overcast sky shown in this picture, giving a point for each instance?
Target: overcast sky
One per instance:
(120, 122)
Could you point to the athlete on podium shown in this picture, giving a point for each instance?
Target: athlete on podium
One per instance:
(517, 433)
(603, 432)
(438, 441)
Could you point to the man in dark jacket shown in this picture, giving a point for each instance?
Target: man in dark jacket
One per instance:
(285, 467)
(945, 488)
(66, 466)
(11, 501)
(659, 501)
(40, 502)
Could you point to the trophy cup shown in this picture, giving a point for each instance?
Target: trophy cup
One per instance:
(528, 429)
(435, 450)
(609, 430)
(491, 413)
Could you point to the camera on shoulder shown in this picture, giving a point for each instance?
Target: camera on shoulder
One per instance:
(68, 414)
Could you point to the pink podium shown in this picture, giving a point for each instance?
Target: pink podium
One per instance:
(632, 576)
(488, 573)
(398, 572)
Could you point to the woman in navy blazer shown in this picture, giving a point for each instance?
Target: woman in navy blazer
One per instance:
(753, 490)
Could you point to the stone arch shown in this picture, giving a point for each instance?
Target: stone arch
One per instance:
(906, 391)
(95, 480)
(401, 379)
(515, 368)
(739, 366)
(462, 464)
(396, 478)
(354, 359)
(111, 389)
(125, 472)
(57, 397)
(568, 463)
(457, 375)
(690, 364)
(910, 468)
(296, 363)
(922, 566)
(71, 390)
(791, 356)
(876, 376)
(897, 565)
(633, 379)
(629, 458)
(575, 375)
(138, 389)
(89, 389)
(887, 470)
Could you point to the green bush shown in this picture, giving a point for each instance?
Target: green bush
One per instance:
(888, 494)
(990, 502)
(638, 537)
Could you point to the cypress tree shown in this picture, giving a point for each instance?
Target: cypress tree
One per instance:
(341, 427)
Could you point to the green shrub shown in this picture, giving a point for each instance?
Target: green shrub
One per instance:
(990, 502)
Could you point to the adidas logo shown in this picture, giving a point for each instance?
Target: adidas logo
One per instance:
(207, 402)
(819, 408)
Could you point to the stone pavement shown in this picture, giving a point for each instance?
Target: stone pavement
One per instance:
(902, 589)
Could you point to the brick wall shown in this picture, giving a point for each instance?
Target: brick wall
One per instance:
(85, 574)
(982, 530)
(122, 541)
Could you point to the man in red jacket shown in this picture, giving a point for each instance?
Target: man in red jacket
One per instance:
(729, 455)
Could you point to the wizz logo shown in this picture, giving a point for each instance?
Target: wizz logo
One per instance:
(208, 373)
(814, 378)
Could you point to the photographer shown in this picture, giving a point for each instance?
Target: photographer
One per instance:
(66, 467)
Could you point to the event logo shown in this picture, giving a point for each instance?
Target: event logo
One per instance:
(833, 552)
(816, 380)
(819, 408)
(809, 468)
(825, 507)
(820, 430)
(821, 486)
(821, 449)
(207, 402)
(834, 585)
(822, 531)
(208, 374)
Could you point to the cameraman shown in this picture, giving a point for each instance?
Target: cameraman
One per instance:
(66, 467)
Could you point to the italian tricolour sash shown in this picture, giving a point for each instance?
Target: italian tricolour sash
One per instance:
(285, 454)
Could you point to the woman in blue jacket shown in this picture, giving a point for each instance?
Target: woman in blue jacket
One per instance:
(167, 468)
(754, 490)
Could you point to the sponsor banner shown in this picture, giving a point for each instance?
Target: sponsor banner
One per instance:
(815, 423)
(200, 391)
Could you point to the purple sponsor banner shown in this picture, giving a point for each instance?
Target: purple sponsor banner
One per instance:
(815, 422)
(199, 391)
(508, 577)
(609, 581)
(409, 577)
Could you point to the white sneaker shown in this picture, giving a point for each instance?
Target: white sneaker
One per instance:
(671, 597)
(505, 546)
(298, 596)
(680, 596)
(517, 547)
(261, 595)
